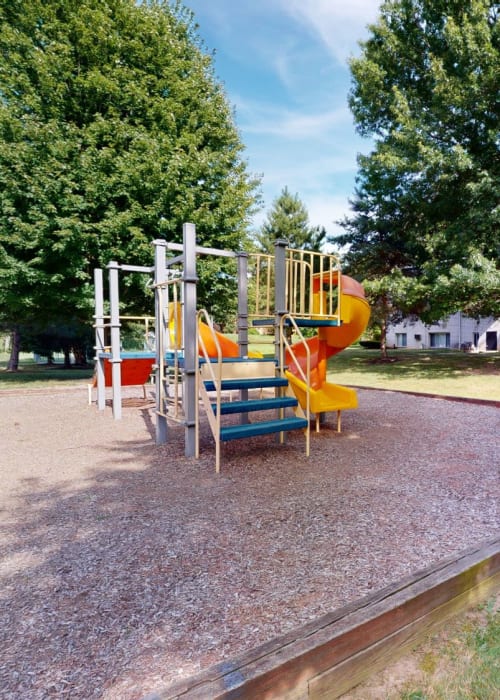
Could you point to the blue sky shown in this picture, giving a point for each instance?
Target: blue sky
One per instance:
(284, 67)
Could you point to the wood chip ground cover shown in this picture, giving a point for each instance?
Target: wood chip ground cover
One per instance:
(126, 565)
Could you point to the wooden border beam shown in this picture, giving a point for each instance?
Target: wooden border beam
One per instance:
(325, 658)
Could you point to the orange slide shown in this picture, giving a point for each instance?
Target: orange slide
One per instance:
(323, 396)
(227, 346)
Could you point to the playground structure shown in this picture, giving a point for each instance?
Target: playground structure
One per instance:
(197, 368)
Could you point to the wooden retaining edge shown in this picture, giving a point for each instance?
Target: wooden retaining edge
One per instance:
(326, 658)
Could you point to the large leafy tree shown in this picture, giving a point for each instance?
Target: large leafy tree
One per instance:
(426, 210)
(288, 219)
(111, 121)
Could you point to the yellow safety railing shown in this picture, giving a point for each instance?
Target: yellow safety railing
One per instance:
(312, 280)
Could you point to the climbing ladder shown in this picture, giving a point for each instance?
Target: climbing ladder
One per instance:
(219, 378)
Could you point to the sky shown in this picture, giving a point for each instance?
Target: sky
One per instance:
(283, 64)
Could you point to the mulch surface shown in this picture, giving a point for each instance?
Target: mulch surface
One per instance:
(126, 565)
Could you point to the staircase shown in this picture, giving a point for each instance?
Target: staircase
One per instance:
(249, 377)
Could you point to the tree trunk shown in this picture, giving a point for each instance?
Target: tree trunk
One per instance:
(80, 356)
(383, 339)
(67, 358)
(383, 330)
(15, 346)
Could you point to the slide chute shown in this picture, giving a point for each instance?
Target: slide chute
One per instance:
(355, 314)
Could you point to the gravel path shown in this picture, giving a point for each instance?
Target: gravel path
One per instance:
(126, 566)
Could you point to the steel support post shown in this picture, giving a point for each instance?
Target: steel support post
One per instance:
(99, 337)
(116, 373)
(160, 277)
(189, 324)
(242, 261)
(280, 309)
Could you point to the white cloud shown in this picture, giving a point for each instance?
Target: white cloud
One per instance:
(284, 62)
(326, 209)
(272, 120)
(339, 25)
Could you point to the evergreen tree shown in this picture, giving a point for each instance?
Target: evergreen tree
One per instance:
(110, 121)
(288, 219)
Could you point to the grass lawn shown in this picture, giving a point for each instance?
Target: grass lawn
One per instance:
(461, 661)
(35, 375)
(443, 372)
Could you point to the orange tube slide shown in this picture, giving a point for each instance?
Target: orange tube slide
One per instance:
(355, 314)
(227, 346)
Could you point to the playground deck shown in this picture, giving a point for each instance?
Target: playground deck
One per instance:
(146, 567)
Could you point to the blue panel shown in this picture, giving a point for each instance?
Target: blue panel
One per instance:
(237, 432)
(256, 405)
(256, 383)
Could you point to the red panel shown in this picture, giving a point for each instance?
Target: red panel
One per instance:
(134, 371)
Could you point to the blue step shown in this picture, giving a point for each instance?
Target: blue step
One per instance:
(255, 405)
(236, 432)
(253, 383)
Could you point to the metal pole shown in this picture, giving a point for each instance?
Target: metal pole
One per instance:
(243, 318)
(280, 309)
(116, 374)
(280, 246)
(99, 337)
(160, 272)
(243, 303)
(189, 324)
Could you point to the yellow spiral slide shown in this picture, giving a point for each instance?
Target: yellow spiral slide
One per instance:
(324, 396)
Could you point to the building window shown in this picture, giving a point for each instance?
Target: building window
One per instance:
(491, 340)
(401, 340)
(439, 340)
(475, 336)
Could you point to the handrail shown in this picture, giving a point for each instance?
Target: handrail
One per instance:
(305, 376)
(308, 272)
(216, 377)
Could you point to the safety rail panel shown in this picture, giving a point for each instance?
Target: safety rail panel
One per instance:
(312, 281)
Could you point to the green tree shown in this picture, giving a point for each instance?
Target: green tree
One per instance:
(111, 121)
(288, 219)
(427, 202)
